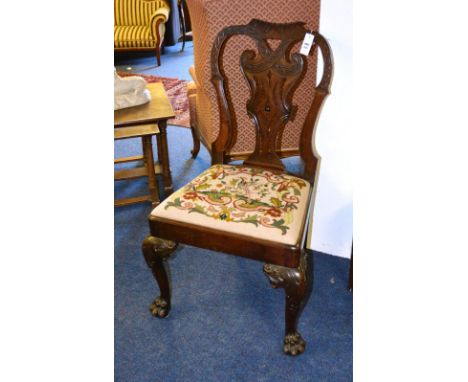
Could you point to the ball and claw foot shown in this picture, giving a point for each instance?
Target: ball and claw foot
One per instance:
(294, 344)
(159, 308)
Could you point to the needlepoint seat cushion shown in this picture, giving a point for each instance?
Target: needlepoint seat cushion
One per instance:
(242, 200)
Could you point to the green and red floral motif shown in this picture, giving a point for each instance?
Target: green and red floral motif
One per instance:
(242, 195)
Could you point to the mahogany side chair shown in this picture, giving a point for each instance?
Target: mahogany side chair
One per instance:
(255, 210)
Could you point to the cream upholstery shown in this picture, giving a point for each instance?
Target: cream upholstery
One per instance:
(244, 201)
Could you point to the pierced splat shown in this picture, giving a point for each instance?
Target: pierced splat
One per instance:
(273, 43)
(273, 75)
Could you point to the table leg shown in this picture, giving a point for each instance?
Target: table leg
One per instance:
(149, 161)
(182, 22)
(163, 156)
(143, 150)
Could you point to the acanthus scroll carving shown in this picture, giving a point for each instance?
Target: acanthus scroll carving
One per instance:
(290, 279)
(155, 248)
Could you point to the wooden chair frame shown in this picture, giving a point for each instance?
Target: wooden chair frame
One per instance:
(273, 76)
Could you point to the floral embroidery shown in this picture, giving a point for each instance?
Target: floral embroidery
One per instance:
(241, 195)
(190, 195)
(274, 212)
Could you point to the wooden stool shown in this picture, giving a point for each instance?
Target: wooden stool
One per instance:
(151, 169)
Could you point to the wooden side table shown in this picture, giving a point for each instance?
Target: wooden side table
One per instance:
(143, 122)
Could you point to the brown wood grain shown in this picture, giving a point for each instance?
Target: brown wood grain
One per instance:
(159, 108)
(135, 131)
(227, 242)
(132, 200)
(134, 158)
(137, 172)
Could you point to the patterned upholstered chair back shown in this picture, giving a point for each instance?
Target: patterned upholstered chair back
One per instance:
(208, 18)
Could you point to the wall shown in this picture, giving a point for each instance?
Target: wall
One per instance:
(333, 213)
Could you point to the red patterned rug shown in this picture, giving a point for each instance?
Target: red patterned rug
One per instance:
(176, 91)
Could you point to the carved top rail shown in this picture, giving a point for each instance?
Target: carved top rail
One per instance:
(273, 76)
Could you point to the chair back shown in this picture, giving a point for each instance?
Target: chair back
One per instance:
(273, 73)
(135, 12)
(208, 18)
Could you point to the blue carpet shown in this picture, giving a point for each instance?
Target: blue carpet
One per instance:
(226, 322)
(173, 62)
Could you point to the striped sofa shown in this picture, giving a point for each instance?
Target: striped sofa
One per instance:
(140, 25)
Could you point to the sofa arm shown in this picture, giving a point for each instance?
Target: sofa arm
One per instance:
(192, 100)
(191, 88)
(157, 18)
(192, 73)
(194, 78)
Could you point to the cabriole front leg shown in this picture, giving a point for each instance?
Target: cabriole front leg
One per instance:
(296, 283)
(156, 252)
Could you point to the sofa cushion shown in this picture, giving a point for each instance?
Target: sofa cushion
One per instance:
(136, 12)
(242, 200)
(135, 36)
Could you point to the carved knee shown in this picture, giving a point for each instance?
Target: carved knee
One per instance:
(157, 250)
(294, 281)
(296, 284)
